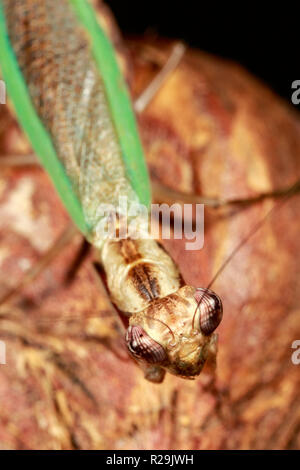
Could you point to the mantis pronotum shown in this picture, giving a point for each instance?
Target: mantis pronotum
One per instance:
(171, 325)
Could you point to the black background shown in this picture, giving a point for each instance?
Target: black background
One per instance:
(264, 37)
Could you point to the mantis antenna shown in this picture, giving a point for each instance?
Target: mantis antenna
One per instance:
(293, 190)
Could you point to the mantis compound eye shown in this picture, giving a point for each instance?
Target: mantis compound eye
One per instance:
(141, 346)
(211, 310)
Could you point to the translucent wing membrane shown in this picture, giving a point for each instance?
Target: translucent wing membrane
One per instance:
(54, 55)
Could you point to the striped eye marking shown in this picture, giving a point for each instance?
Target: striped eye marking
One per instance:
(211, 310)
(141, 346)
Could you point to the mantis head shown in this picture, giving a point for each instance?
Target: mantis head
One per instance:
(175, 332)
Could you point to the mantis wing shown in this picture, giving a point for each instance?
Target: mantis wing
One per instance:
(72, 102)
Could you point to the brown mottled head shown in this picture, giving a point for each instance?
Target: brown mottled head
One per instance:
(176, 332)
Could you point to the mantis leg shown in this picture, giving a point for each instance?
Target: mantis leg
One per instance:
(148, 94)
(154, 374)
(208, 374)
(59, 244)
(9, 161)
(163, 194)
(211, 361)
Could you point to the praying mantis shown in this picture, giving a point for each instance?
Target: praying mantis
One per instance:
(105, 162)
(94, 155)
